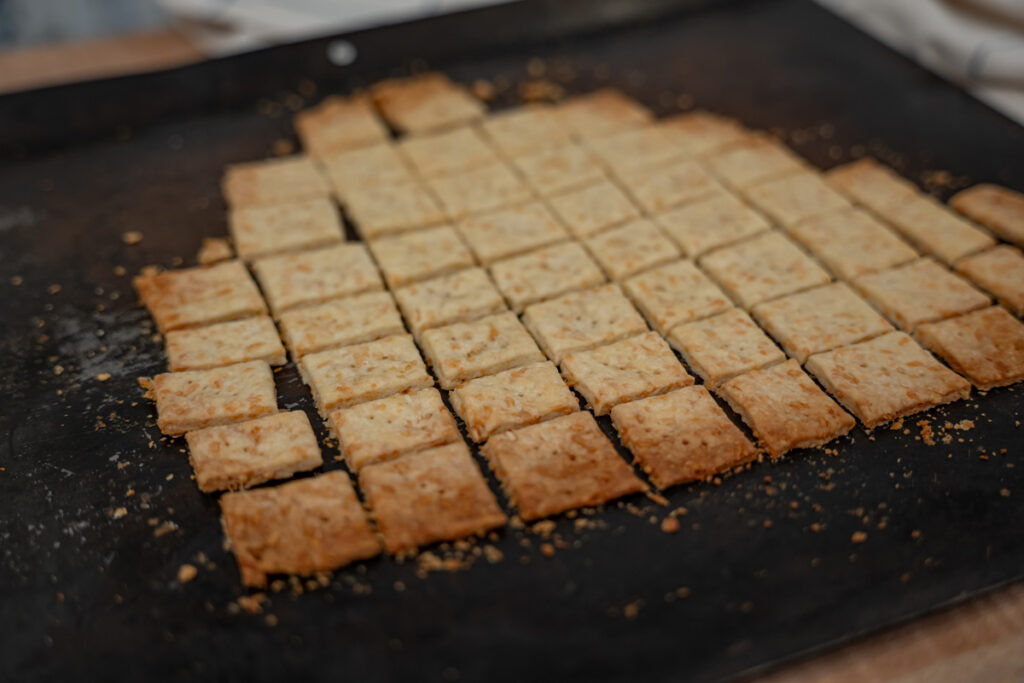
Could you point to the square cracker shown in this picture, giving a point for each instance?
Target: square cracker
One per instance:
(886, 378)
(755, 159)
(310, 277)
(819, 320)
(265, 230)
(723, 346)
(351, 171)
(999, 209)
(273, 181)
(681, 436)
(193, 399)
(386, 209)
(301, 527)
(249, 453)
(512, 399)
(785, 408)
(559, 465)
(715, 221)
(920, 292)
(700, 133)
(552, 171)
(796, 197)
(762, 268)
(674, 294)
(510, 232)
(632, 248)
(642, 147)
(424, 103)
(236, 341)
(624, 371)
(852, 243)
(200, 296)
(871, 184)
(591, 209)
(485, 188)
(430, 496)
(386, 428)
(986, 346)
(420, 255)
(340, 322)
(450, 151)
(362, 372)
(936, 230)
(465, 351)
(525, 130)
(582, 320)
(661, 188)
(338, 124)
(602, 112)
(545, 273)
(1000, 272)
(460, 297)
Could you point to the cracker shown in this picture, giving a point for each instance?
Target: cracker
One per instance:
(302, 527)
(266, 230)
(424, 103)
(485, 188)
(421, 255)
(999, 209)
(384, 429)
(193, 399)
(796, 197)
(560, 169)
(886, 378)
(338, 124)
(852, 243)
(602, 112)
(352, 171)
(273, 181)
(820, 319)
(525, 130)
(450, 151)
(460, 297)
(363, 372)
(591, 209)
(200, 296)
(936, 230)
(545, 274)
(236, 341)
(510, 232)
(724, 346)
(762, 268)
(715, 221)
(249, 453)
(311, 277)
(1000, 272)
(512, 399)
(624, 371)
(871, 184)
(986, 346)
(642, 147)
(700, 133)
(785, 408)
(340, 322)
(559, 465)
(674, 294)
(919, 292)
(582, 320)
(681, 436)
(756, 159)
(632, 248)
(656, 190)
(434, 495)
(379, 210)
(463, 351)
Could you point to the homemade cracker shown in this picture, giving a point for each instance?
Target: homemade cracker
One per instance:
(999, 209)
(310, 277)
(706, 224)
(260, 231)
(379, 210)
(560, 169)
(424, 103)
(643, 147)
(485, 188)
(338, 124)
(674, 294)
(986, 346)
(545, 273)
(723, 346)
(700, 133)
(871, 184)
(200, 296)
(237, 341)
(510, 232)
(525, 130)
(662, 188)
(273, 181)
(852, 243)
(351, 171)
(795, 197)
(756, 159)
(465, 351)
(632, 248)
(1000, 272)
(460, 297)
(594, 208)
(340, 322)
(936, 230)
(450, 151)
(420, 255)
(602, 112)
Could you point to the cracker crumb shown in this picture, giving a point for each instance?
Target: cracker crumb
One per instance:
(131, 237)
(17, 280)
(631, 610)
(53, 289)
(270, 620)
(103, 376)
(859, 536)
(927, 433)
(186, 573)
(484, 90)
(252, 604)
(1005, 493)
(540, 90)
(547, 550)
(657, 498)
(119, 513)
(670, 525)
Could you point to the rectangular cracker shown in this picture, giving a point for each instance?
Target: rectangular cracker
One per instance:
(681, 436)
(986, 346)
(512, 399)
(886, 378)
(559, 169)
(449, 151)
(785, 408)
(700, 133)
(363, 372)
(820, 319)
(664, 187)
(236, 341)
(311, 277)
(675, 293)
(340, 322)
(386, 428)
(465, 351)
(724, 346)
(936, 230)
(200, 296)
(1000, 272)
(485, 188)
(591, 209)
(582, 320)
(715, 221)
(354, 170)
(420, 255)
(525, 130)
(852, 243)
(755, 159)
(338, 124)
(259, 231)
(643, 147)
(461, 297)
(249, 453)
(871, 184)
(545, 273)
(624, 371)
(602, 112)
(762, 268)
(273, 181)
(919, 292)
(559, 465)
(632, 248)
(380, 210)
(193, 399)
(426, 102)
(430, 496)
(510, 232)
(795, 197)
(302, 527)
(999, 209)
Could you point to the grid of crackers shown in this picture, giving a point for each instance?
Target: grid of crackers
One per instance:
(519, 274)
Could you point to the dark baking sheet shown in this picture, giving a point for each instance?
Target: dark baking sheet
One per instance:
(84, 596)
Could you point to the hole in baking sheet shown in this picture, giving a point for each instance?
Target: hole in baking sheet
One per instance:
(341, 52)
